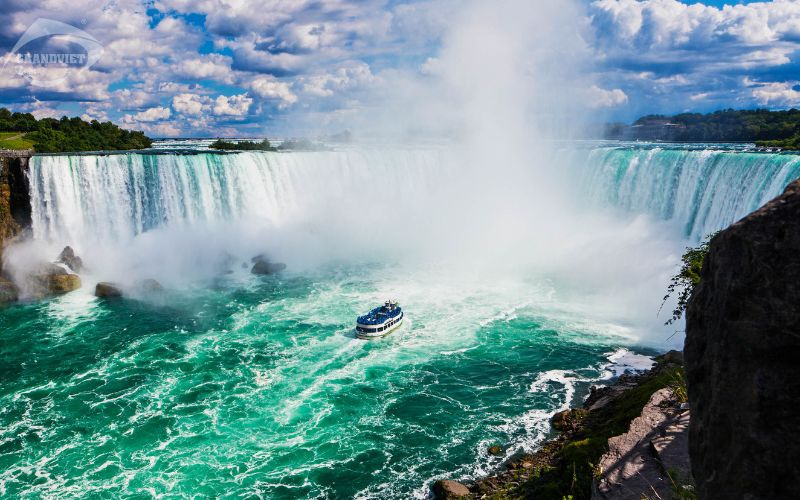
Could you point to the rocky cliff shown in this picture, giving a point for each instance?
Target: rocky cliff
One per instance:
(15, 208)
(743, 357)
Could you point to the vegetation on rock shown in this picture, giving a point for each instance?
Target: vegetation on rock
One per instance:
(49, 135)
(687, 278)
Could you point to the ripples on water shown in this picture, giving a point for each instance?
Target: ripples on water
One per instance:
(259, 388)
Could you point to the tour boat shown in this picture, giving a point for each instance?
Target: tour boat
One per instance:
(380, 321)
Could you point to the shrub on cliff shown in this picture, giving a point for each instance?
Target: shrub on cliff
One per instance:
(687, 278)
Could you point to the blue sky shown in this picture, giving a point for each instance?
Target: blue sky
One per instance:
(247, 67)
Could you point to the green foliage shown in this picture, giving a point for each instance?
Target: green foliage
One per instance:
(242, 145)
(49, 135)
(687, 278)
(792, 143)
(573, 469)
(765, 127)
(680, 387)
(682, 489)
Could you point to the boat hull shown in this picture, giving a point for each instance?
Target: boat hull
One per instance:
(377, 335)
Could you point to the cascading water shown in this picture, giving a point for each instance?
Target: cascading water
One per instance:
(702, 190)
(87, 198)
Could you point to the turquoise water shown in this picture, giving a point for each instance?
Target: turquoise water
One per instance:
(257, 388)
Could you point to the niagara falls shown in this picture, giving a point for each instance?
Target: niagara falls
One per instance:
(424, 249)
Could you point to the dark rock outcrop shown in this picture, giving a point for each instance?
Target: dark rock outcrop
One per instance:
(262, 265)
(107, 290)
(446, 489)
(742, 357)
(68, 258)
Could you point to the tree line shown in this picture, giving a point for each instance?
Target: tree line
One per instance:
(50, 135)
(764, 127)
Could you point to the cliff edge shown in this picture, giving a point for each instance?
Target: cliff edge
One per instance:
(742, 356)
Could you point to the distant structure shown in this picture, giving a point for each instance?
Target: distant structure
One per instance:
(654, 130)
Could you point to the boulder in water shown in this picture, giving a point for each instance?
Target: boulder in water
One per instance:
(107, 290)
(262, 265)
(58, 284)
(447, 489)
(495, 450)
(52, 279)
(71, 260)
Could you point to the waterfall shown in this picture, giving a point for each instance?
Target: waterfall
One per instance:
(114, 197)
(702, 190)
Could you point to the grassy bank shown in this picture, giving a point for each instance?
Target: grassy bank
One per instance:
(15, 140)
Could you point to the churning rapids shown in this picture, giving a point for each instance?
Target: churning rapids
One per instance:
(230, 385)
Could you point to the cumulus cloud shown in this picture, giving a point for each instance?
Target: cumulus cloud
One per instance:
(269, 87)
(190, 104)
(783, 94)
(148, 115)
(235, 105)
(602, 98)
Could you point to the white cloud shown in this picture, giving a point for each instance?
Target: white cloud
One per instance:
(209, 67)
(353, 75)
(148, 115)
(269, 87)
(780, 94)
(652, 26)
(190, 104)
(235, 105)
(602, 98)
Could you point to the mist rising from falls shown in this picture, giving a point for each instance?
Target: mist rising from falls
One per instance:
(183, 218)
(95, 199)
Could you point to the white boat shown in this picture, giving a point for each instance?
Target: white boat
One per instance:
(380, 321)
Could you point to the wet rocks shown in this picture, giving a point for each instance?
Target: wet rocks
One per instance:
(8, 291)
(567, 420)
(446, 489)
(71, 260)
(263, 266)
(52, 279)
(107, 290)
(742, 349)
(495, 450)
(59, 284)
